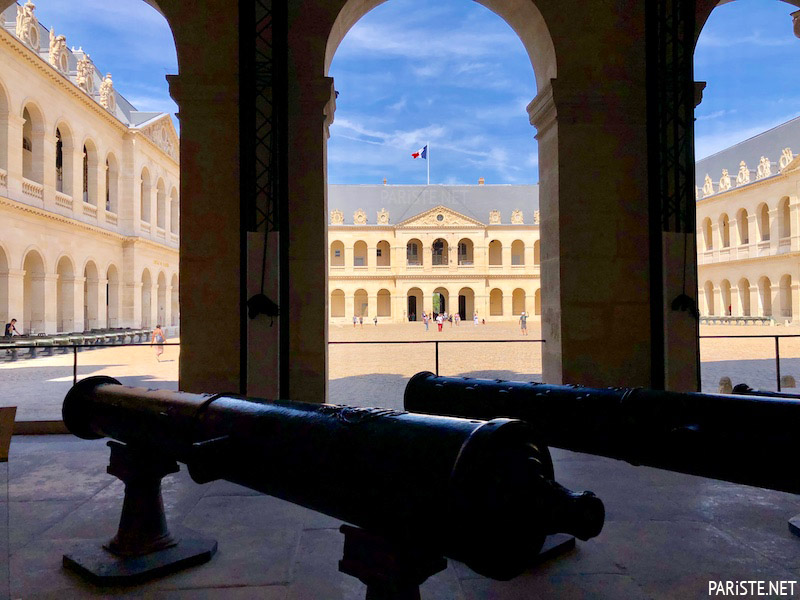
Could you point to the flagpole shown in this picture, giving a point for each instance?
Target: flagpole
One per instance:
(428, 145)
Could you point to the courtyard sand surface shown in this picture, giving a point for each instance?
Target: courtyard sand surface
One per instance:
(375, 373)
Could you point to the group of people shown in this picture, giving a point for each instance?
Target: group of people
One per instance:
(359, 320)
(441, 317)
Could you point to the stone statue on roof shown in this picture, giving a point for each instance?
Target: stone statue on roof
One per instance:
(28, 25)
(86, 74)
(725, 181)
(744, 174)
(708, 186)
(107, 93)
(764, 168)
(786, 158)
(337, 218)
(516, 217)
(58, 51)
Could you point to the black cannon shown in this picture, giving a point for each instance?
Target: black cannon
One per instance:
(479, 492)
(744, 439)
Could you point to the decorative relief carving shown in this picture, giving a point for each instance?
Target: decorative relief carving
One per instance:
(28, 25)
(159, 134)
(383, 216)
(764, 168)
(85, 79)
(360, 217)
(744, 174)
(724, 181)
(58, 56)
(337, 217)
(516, 217)
(107, 98)
(786, 158)
(494, 217)
(536, 217)
(708, 186)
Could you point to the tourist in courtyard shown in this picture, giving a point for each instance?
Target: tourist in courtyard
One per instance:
(361, 320)
(425, 320)
(457, 318)
(439, 321)
(523, 323)
(375, 320)
(11, 329)
(355, 320)
(158, 339)
(475, 318)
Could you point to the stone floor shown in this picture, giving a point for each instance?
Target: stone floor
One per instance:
(666, 535)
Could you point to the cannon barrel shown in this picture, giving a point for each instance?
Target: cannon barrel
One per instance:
(744, 439)
(479, 492)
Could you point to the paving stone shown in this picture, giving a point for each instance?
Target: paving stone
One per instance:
(29, 520)
(556, 587)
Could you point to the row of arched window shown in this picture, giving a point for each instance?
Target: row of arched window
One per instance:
(81, 172)
(440, 252)
(464, 304)
(741, 234)
(739, 302)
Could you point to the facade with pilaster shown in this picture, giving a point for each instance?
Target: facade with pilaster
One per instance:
(88, 192)
(748, 228)
(395, 251)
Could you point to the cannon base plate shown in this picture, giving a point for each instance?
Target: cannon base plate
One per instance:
(96, 564)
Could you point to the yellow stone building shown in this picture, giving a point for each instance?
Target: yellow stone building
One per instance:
(88, 191)
(748, 230)
(398, 250)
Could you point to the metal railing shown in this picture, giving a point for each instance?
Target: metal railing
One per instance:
(777, 339)
(437, 342)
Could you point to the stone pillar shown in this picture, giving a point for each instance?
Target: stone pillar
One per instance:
(756, 310)
(16, 294)
(427, 253)
(775, 301)
(349, 306)
(49, 180)
(795, 301)
(716, 239)
(154, 316)
(753, 233)
(586, 320)
(132, 305)
(774, 230)
(720, 309)
(14, 153)
(372, 305)
(794, 222)
(168, 307)
(736, 308)
(506, 256)
(508, 297)
(349, 258)
(372, 259)
(50, 303)
(102, 308)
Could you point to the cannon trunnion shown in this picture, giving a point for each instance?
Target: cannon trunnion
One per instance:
(479, 492)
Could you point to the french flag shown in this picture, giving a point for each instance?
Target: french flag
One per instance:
(422, 152)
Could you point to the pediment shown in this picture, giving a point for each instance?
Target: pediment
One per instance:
(440, 216)
(162, 133)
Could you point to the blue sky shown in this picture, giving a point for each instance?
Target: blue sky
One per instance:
(454, 74)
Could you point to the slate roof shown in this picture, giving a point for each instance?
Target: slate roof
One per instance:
(769, 143)
(406, 201)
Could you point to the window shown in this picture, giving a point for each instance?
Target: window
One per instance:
(26, 144)
(379, 252)
(337, 253)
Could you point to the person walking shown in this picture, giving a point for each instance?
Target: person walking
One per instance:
(439, 321)
(457, 318)
(361, 320)
(158, 339)
(11, 329)
(375, 320)
(523, 323)
(475, 318)
(355, 320)
(425, 319)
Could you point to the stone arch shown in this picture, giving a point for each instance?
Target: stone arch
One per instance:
(466, 303)
(496, 303)
(65, 294)
(743, 226)
(708, 290)
(91, 309)
(146, 298)
(708, 239)
(4, 111)
(725, 230)
(33, 293)
(762, 219)
(174, 210)
(784, 218)
(111, 183)
(725, 295)
(384, 306)
(161, 283)
(518, 302)
(414, 304)
(90, 163)
(786, 297)
(517, 252)
(537, 256)
(4, 266)
(466, 254)
(537, 302)
(161, 204)
(361, 303)
(337, 303)
(360, 258)
(440, 300)
(64, 163)
(439, 252)
(175, 307)
(337, 253)
(495, 253)
(145, 195)
(765, 296)
(744, 297)
(113, 296)
(414, 253)
(383, 255)
(32, 143)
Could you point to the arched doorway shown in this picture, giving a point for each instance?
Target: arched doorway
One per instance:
(384, 303)
(361, 303)
(162, 299)
(337, 304)
(439, 253)
(414, 304)
(537, 302)
(466, 303)
(786, 297)
(744, 297)
(90, 297)
(65, 295)
(440, 301)
(112, 296)
(518, 302)
(496, 303)
(33, 300)
(147, 292)
(765, 296)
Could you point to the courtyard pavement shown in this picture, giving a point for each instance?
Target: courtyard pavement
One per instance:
(666, 535)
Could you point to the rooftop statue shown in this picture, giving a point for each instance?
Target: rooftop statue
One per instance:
(786, 158)
(764, 168)
(107, 93)
(744, 174)
(708, 186)
(58, 56)
(86, 74)
(28, 25)
(725, 181)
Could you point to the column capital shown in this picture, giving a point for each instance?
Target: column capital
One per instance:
(16, 273)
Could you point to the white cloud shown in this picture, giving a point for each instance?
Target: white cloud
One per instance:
(757, 38)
